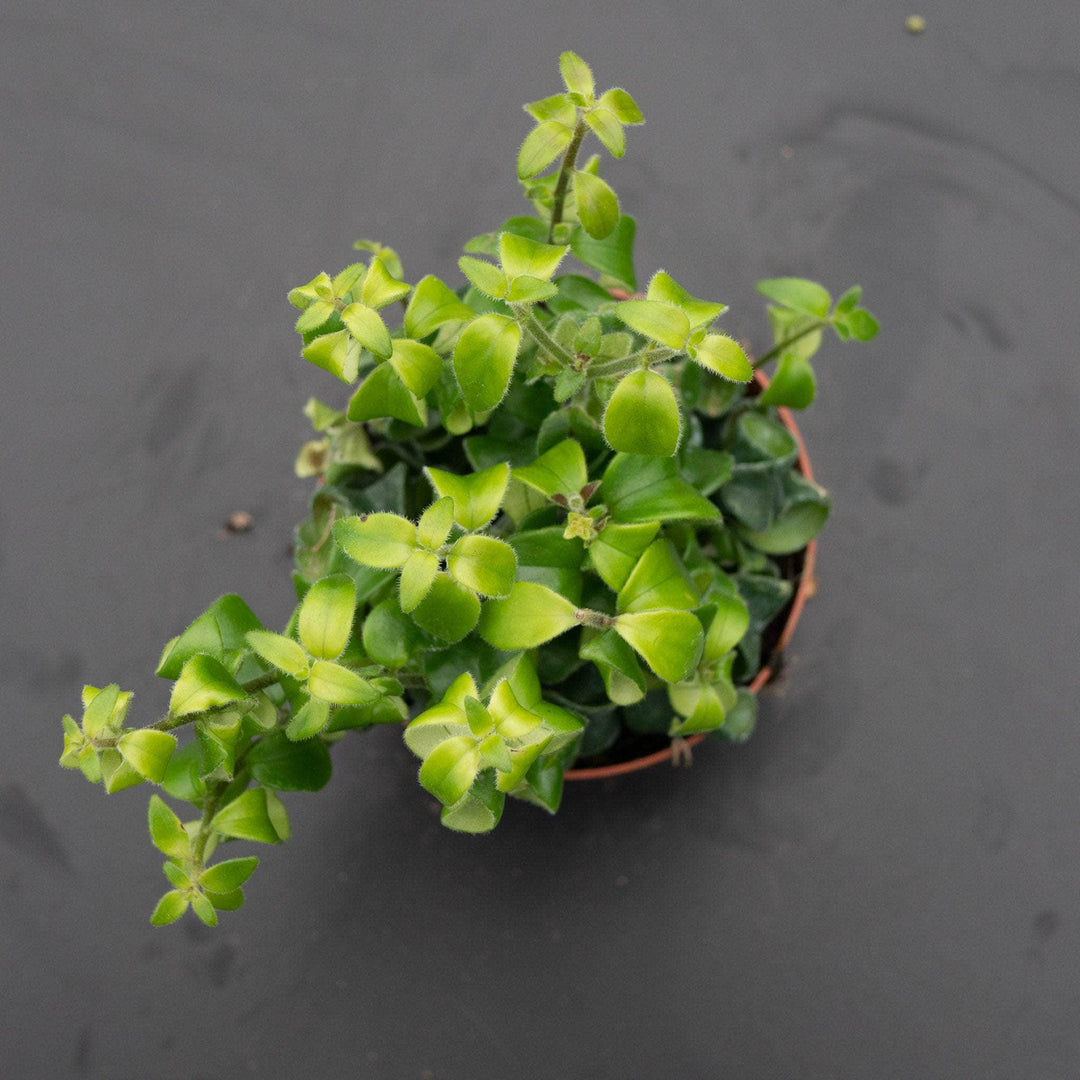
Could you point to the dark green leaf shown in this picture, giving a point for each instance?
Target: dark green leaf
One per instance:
(449, 610)
(792, 383)
(658, 580)
(644, 489)
(247, 817)
(616, 550)
(613, 255)
(228, 875)
(279, 763)
(218, 630)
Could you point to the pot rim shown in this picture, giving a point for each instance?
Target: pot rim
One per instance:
(805, 588)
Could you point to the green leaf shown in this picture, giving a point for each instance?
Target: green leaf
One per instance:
(228, 875)
(450, 769)
(597, 204)
(700, 704)
(319, 288)
(489, 279)
(576, 74)
(147, 751)
(435, 523)
(613, 255)
(798, 294)
(248, 817)
(477, 496)
(806, 512)
(529, 616)
(169, 908)
(608, 130)
(669, 641)
(280, 652)
(389, 636)
(308, 720)
(326, 616)
(541, 147)
(381, 287)
(278, 762)
(227, 901)
(479, 809)
(658, 580)
(203, 684)
(760, 438)
(530, 290)
(449, 610)
(729, 622)
(366, 325)
(792, 384)
(656, 320)
(338, 353)
(116, 773)
(618, 666)
(167, 833)
(417, 577)
(520, 255)
(217, 631)
(434, 726)
(339, 685)
(100, 714)
(646, 489)
(622, 105)
(663, 287)
(484, 359)
(560, 470)
(723, 356)
(547, 557)
(642, 415)
(706, 470)
(432, 304)
(863, 325)
(204, 909)
(418, 366)
(483, 564)
(383, 393)
(349, 278)
(314, 316)
(557, 107)
(616, 550)
(384, 541)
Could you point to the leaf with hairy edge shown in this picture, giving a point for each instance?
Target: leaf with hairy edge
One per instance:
(477, 496)
(435, 523)
(479, 809)
(248, 817)
(665, 288)
(669, 641)
(577, 75)
(326, 616)
(203, 684)
(434, 726)
(147, 751)
(169, 908)
(519, 255)
(643, 489)
(622, 105)
(642, 415)
(217, 631)
(727, 626)
(339, 685)
(484, 359)
(338, 353)
(228, 875)
(366, 325)
(792, 384)
(659, 580)
(613, 255)
(432, 304)
(280, 652)
(449, 610)
(384, 393)
(557, 107)
(418, 366)
(380, 287)
(167, 832)
(390, 638)
(490, 280)
(483, 564)
(560, 470)
(417, 576)
(384, 541)
(597, 204)
(541, 147)
(616, 550)
(308, 720)
(450, 769)
(618, 666)
(608, 129)
(529, 616)
(656, 320)
(723, 356)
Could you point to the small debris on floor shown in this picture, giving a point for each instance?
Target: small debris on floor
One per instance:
(682, 754)
(914, 24)
(622, 881)
(239, 521)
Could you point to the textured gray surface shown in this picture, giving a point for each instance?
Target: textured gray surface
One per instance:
(883, 882)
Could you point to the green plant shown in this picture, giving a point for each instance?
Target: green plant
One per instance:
(552, 512)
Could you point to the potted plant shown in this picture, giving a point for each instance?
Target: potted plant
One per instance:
(557, 524)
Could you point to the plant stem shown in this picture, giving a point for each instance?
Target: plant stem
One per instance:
(563, 182)
(625, 364)
(210, 807)
(531, 324)
(778, 348)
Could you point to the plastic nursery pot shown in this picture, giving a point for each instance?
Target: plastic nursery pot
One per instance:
(788, 618)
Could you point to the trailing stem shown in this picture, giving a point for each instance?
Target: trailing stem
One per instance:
(563, 182)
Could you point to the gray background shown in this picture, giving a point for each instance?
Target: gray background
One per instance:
(884, 881)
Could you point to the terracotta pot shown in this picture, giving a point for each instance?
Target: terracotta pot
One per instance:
(803, 591)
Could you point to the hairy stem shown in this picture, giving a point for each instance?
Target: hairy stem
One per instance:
(532, 326)
(566, 169)
(780, 346)
(623, 365)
